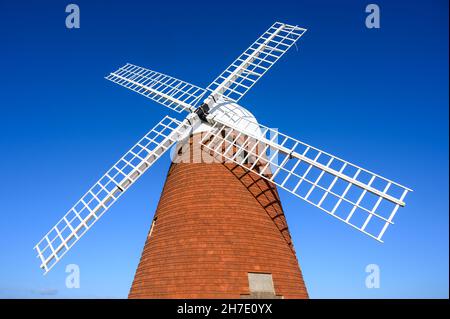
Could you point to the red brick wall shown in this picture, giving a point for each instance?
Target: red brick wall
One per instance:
(215, 223)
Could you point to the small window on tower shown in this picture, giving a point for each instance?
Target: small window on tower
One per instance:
(261, 286)
(151, 228)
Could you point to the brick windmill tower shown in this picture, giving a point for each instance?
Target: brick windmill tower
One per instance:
(219, 230)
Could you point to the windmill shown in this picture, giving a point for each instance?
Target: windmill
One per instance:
(255, 157)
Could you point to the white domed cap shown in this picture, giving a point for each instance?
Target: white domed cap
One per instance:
(235, 115)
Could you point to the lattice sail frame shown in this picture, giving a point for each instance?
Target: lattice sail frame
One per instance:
(171, 92)
(358, 197)
(254, 62)
(85, 213)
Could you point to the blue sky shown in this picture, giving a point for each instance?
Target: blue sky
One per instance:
(376, 97)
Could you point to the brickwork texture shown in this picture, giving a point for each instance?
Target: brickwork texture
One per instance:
(214, 224)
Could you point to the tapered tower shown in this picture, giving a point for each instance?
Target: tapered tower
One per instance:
(219, 231)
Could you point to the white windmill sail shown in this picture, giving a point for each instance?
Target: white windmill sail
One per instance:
(173, 93)
(87, 211)
(251, 65)
(358, 197)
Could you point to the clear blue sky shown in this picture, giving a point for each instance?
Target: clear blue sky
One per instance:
(378, 98)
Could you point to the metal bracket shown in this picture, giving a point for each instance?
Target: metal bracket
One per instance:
(202, 111)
